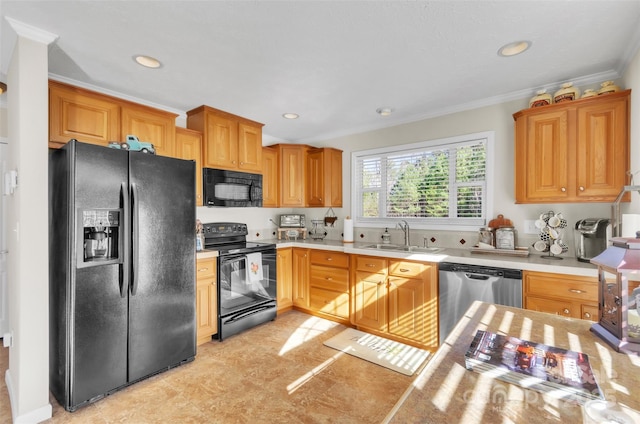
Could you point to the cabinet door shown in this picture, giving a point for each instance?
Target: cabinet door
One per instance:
(206, 300)
(284, 277)
(79, 114)
(269, 177)
(370, 300)
(335, 180)
(602, 149)
(301, 277)
(407, 298)
(150, 125)
(220, 142)
(315, 178)
(249, 148)
(291, 161)
(542, 162)
(189, 146)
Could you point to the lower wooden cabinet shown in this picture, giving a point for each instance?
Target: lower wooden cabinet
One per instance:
(300, 276)
(284, 278)
(397, 298)
(206, 300)
(329, 283)
(567, 295)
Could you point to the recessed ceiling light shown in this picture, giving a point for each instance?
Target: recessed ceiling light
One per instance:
(290, 115)
(147, 61)
(384, 111)
(514, 48)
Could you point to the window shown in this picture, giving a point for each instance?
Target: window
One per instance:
(429, 184)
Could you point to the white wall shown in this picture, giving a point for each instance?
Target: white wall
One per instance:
(27, 214)
(631, 79)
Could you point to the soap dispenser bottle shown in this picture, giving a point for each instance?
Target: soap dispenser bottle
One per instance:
(386, 237)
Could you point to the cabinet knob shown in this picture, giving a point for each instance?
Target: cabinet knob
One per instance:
(587, 315)
(576, 291)
(566, 311)
(203, 269)
(233, 162)
(581, 188)
(563, 189)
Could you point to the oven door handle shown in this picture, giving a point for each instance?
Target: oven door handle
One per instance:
(248, 313)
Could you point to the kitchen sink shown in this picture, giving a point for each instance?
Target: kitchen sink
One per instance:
(398, 248)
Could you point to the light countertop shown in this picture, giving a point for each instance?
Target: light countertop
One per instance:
(444, 391)
(533, 262)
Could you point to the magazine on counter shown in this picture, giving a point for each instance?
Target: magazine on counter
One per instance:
(559, 372)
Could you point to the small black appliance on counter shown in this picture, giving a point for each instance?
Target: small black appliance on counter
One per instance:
(592, 236)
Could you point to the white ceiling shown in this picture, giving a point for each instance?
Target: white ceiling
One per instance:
(332, 62)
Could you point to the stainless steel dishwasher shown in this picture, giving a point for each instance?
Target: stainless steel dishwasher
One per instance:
(459, 285)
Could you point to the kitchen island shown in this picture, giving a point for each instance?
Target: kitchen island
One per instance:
(446, 392)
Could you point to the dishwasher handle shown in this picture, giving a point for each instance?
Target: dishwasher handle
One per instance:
(481, 270)
(471, 276)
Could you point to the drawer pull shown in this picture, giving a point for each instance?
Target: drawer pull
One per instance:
(404, 270)
(563, 189)
(587, 315)
(328, 278)
(370, 265)
(203, 269)
(329, 259)
(566, 311)
(577, 291)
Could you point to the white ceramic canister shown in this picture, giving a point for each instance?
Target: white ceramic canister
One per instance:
(608, 87)
(542, 98)
(589, 92)
(566, 93)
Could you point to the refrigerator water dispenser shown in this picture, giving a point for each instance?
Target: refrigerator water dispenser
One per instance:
(100, 235)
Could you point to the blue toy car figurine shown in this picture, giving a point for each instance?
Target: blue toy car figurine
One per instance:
(133, 144)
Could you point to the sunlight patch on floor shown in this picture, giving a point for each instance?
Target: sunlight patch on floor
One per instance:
(308, 330)
(309, 375)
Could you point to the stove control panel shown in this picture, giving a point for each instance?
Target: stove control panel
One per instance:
(224, 229)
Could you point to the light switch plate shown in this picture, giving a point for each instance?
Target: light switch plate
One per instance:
(530, 226)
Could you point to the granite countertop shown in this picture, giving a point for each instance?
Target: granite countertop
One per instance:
(444, 391)
(533, 262)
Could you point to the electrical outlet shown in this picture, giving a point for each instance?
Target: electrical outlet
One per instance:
(530, 226)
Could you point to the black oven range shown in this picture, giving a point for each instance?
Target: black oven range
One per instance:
(246, 277)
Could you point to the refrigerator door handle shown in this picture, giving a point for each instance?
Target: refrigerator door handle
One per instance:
(135, 238)
(125, 272)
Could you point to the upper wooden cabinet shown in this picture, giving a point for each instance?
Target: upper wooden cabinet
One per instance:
(96, 118)
(269, 177)
(324, 177)
(576, 151)
(150, 125)
(291, 161)
(305, 176)
(229, 141)
(189, 146)
(81, 114)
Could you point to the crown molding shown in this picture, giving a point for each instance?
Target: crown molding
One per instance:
(31, 32)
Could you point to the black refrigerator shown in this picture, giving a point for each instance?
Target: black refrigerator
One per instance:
(121, 269)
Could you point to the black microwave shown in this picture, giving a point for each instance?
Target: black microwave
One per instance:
(231, 188)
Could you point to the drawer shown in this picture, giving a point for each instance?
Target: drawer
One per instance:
(324, 257)
(330, 278)
(371, 264)
(406, 269)
(205, 268)
(561, 287)
(329, 302)
(558, 307)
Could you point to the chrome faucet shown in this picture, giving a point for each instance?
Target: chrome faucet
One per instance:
(404, 228)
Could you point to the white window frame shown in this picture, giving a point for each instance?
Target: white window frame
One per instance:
(459, 224)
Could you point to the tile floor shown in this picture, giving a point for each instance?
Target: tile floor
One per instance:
(279, 372)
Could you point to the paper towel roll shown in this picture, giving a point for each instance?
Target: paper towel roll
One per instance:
(348, 230)
(630, 224)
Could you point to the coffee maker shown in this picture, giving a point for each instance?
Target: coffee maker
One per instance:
(592, 237)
